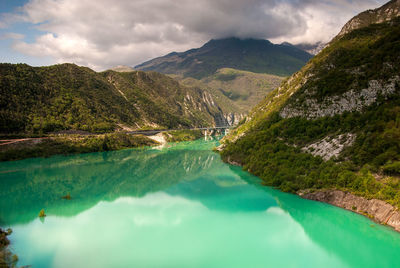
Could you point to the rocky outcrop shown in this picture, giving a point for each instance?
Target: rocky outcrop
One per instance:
(385, 13)
(350, 101)
(233, 118)
(330, 147)
(377, 210)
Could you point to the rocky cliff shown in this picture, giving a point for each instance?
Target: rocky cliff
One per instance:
(375, 209)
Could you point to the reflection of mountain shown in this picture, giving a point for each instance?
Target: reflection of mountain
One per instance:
(225, 191)
(357, 241)
(354, 238)
(174, 201)
(30, 185)
(351, 233)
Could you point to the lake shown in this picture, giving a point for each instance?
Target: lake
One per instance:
(176, 206)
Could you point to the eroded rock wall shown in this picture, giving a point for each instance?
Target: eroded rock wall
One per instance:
(377, 210)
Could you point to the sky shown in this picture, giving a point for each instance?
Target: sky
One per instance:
(101, 34)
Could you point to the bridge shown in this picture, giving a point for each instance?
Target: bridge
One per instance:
(208, 131)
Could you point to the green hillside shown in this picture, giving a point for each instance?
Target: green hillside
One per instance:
(333, 124)
(254, 55)
(243, 89)
(61, 97)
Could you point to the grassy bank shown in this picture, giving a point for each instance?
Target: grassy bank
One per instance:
(72, 144)
(182, 135)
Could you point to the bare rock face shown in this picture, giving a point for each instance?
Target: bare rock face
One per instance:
(350, 101)
(233, 118)
(330, 147)
(375, 209)
(387, 12)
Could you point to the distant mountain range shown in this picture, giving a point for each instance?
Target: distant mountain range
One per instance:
(68, 97)
(254, 55)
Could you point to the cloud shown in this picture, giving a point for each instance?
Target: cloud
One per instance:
(11, 36)
(105, 33)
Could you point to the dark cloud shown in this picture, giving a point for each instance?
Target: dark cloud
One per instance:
(105, 33)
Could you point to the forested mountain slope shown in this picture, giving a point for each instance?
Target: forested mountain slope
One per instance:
(66, 96)
(334, 124)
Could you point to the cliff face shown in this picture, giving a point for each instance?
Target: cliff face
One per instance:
(375, 209)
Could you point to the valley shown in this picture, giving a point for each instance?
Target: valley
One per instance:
(276, 143)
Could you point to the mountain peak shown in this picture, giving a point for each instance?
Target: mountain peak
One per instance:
(384, 13)
(249, 54)
(237, 42)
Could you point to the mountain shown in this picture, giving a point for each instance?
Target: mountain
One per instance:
(384, 13)
(313, 49)
(335, 124)
(66, 96)
(242, 89)
(122, 69)
(254, 55)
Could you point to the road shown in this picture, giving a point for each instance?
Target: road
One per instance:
(149, 132)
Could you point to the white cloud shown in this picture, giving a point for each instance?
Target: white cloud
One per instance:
(324, 19)
(105, 33)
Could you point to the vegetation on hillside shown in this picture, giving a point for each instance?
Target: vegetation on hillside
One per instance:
(40, 100)
(182, 135)
(73, 144)
(242, 89)
(259, 56)
(272, 147)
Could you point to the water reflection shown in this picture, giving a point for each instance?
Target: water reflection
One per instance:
(160, 230)
(30, 185)
(178, 207)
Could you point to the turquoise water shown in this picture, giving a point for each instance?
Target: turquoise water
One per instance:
(178, 206)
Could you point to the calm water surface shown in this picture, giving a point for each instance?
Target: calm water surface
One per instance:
(179, 206)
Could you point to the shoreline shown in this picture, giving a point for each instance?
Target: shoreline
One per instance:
(69, 144)
(376, 210)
